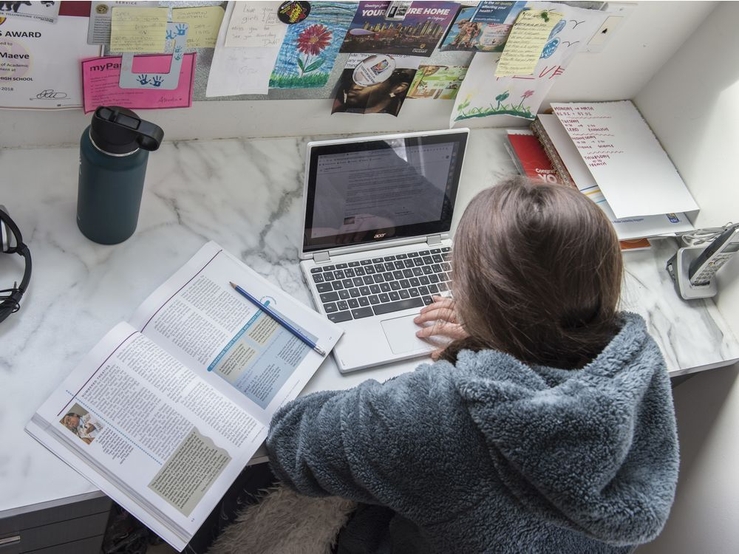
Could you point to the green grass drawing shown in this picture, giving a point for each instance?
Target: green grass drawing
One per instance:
(293, 81)
(504, 109)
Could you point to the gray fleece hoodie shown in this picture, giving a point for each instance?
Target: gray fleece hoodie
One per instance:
(493, 455)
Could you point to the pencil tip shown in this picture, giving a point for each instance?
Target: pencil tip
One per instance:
(233, 284)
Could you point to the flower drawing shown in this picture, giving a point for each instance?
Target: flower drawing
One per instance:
(524, 96)
(500, 98)
(313, 40)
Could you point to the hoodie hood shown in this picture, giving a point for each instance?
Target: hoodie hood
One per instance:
(595, 449)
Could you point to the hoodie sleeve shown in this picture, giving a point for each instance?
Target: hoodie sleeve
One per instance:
(356, 443)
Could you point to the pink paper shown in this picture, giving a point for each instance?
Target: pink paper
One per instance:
(100, 84)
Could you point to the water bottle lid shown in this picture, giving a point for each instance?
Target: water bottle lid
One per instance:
(120, 131)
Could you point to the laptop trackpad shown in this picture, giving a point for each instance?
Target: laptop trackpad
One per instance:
(401, 335)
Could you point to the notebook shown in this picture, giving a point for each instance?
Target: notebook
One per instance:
(376, 245)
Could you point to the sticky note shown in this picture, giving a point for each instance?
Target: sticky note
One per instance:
(138, 30)
(204, 24)
(526, 42)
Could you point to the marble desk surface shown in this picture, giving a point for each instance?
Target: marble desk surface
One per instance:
(247, 196)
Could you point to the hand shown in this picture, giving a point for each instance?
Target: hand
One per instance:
(439, 320)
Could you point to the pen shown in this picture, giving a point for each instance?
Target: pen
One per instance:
(278, 318)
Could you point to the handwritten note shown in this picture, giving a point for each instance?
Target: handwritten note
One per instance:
(138, 30)
(626, 159)
(239, 70)
(204, 24)
(525, 43)
(255, 25)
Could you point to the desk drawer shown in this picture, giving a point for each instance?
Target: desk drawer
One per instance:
(75, 527)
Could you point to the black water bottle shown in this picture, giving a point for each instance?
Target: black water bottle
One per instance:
(114, 150)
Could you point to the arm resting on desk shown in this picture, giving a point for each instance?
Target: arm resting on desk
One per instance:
(375, 443)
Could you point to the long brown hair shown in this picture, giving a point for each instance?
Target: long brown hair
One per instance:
(537, 274)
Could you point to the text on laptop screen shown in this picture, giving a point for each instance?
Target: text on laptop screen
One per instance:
(375, 189)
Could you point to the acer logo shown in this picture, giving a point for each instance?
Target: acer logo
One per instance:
(380, 235)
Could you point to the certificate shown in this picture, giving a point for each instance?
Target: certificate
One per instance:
(40, 62)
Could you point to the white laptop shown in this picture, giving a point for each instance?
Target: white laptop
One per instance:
(376, 245)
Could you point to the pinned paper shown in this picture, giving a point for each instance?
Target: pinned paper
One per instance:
(374, 84)
(43, 72)
(101, 17)
(255, 25)
(526, 42)
(41, 11)
(138, 30)
(521, 95)
(309, 49)
(100, 78)
(204, 24)
(437, 82)
(236, 71)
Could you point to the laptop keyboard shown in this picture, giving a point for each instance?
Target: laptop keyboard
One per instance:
(378, 286)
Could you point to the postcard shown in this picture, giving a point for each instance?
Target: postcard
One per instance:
(484, 28)
(438, 82)
(417, 34)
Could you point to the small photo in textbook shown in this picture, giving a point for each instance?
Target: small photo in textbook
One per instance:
(82, 424)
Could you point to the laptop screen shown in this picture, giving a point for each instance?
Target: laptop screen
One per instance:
(373, 189)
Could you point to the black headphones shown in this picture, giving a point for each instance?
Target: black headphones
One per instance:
(11, 242)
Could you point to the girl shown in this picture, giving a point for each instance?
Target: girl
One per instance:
(546, 425)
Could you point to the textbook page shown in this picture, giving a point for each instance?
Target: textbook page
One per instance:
(149, 432)
(625, 157)
(201, 320)
(626, 228)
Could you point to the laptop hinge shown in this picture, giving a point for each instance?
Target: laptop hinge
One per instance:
(321, 257)
(434, 240)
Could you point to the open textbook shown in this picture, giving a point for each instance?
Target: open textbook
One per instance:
(165, 411)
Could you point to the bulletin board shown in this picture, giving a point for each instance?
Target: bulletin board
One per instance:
(491, 57)
(205, 57)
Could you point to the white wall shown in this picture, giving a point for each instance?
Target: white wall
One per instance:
(647, 38)
(692, 105)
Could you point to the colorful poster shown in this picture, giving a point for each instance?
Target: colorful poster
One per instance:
(484, 28)
(375, 83)
(438, 82)
(310, 47)
(416, 34)
(482, 95)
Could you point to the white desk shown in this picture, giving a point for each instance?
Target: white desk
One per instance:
(247, 196)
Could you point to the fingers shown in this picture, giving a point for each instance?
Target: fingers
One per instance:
(452, 331)
(441, 309)
(439, 319)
